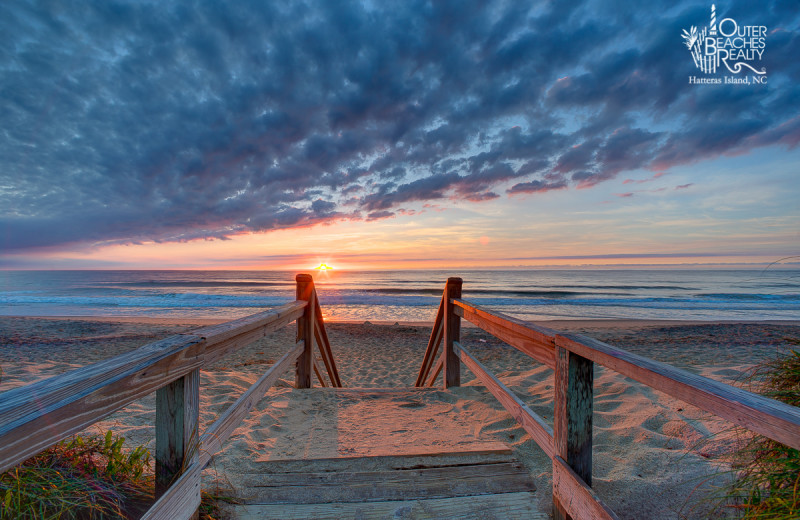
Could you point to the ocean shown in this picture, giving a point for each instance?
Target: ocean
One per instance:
(413, 295)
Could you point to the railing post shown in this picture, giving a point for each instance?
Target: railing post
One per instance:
(305, 331)
(572, 422)
(452, 332)
(177, 413)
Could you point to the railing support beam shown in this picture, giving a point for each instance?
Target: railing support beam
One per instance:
(305, 331)
(177, 415)
(452, 333)
(572, 421)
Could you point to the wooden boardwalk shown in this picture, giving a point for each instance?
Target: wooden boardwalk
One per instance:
(481, 484)
(453, 485)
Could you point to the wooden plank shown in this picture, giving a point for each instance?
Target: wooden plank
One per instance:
(22, 401)
(325, 346)
(530, 421)
(36, 416)
(227, 337)
(177, 415)
(572, 417)
(452, 333)
(223, 427)
(578, 499)
(305, 331)
(776, 420)
(436, 371)
(323, 352)
(181, 500)
(365, 486)
(489, 453)
(317, 372)
(508, 506)
(433, 346)
(434, 361)
(533, 340)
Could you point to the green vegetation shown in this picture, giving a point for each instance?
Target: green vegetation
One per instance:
(767, 484)
(85, 477)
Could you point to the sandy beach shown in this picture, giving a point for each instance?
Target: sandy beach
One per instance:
(651, 452)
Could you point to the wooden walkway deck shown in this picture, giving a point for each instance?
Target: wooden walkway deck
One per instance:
(481, 484)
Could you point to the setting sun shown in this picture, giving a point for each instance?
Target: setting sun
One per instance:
(323, 267)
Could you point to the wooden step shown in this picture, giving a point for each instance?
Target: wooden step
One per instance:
(458, 484)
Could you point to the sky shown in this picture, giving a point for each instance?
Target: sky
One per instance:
(391, 134)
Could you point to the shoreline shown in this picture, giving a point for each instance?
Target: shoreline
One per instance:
(593, 323)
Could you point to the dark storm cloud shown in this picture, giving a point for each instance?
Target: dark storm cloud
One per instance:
(172, 121)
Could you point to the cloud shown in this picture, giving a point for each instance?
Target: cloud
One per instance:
(170, 121)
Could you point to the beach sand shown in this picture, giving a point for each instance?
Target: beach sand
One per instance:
(652, 458)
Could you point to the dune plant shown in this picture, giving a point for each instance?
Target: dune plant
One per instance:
(83, 477)
(767, 482)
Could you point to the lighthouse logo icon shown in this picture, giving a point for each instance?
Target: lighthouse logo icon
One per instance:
(726, 44)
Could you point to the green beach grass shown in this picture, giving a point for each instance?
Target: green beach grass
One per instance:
(767, 473)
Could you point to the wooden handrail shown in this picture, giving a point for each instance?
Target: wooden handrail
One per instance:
(774, 419)
(533, 340)
(433, 346)
(35, 416)
(568, 443)
(216, 434)
(325, 347)
(540, 431)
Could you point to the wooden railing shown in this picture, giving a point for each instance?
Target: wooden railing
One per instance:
(38, 415)
(568, 442)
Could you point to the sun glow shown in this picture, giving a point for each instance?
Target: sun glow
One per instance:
(323, 267)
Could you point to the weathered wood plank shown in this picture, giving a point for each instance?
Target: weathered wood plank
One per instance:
(578, 499)
(776, 420)
(531, 422)
(384, 485)
(452, 333)
(181, 500)
(490, 452)
(325, 346)
(433, 346)
(572, 417)
(508, 506)
(177, 415)
(38, 415)
(437, 369)
(533, 340)
(305, 331)
(317, 372)
(223, 427)
(323, 352)
(227, 337)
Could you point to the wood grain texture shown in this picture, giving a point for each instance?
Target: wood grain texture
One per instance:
(538, 429)
(181, 500)
(578, 499)
(452, 333)
(364, 486)
(305, 331)
(38, 415)
(230, 336)
(320, 377)
(776, 420)
(223, 427)
(433, 346)
(177, 415)
(572, 417)
(325, 346)
(508, 506)
(437, 369)
(533, 340)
